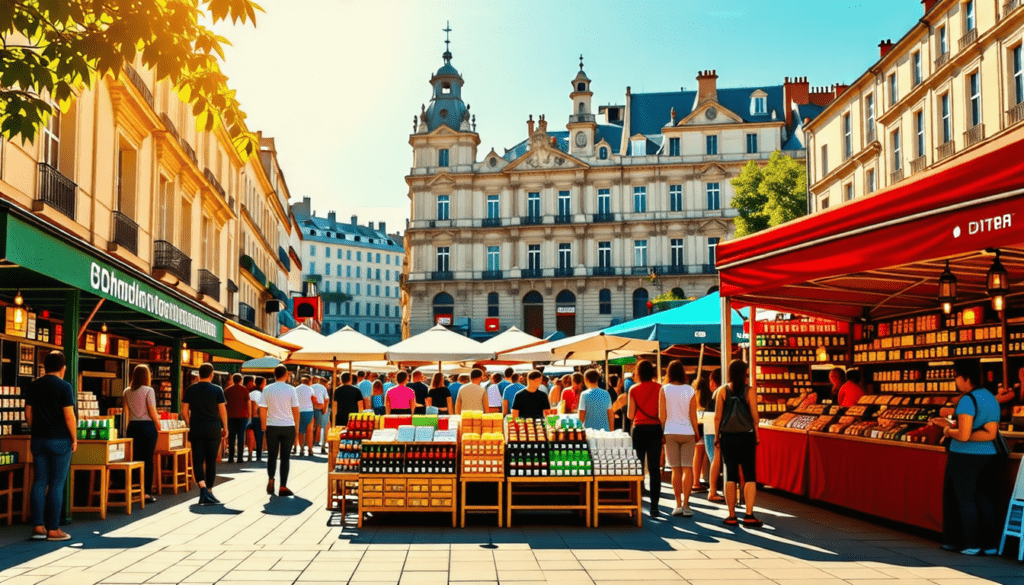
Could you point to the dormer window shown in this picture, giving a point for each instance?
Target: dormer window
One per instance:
(758, 105)
(603, 153)
(582, 109)
(639, 147)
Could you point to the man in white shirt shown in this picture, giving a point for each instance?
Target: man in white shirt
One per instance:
(321, 410)
(306, 407)
(279, 417)
(257, 429)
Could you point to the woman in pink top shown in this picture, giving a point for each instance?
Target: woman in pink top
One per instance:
(400, 399)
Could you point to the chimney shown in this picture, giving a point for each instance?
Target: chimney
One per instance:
(382, 228)
(369, 225)
(355, 220)
(838, 90)
(529, 126)
(795, 90)
(706, 86)
(928, 4)
(884, 47)
(332, 217)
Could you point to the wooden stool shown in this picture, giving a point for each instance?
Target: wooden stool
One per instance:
(13, 491)
(190, 470)
(96, 473)
(172, 470)
(132, 490)
(340, 485)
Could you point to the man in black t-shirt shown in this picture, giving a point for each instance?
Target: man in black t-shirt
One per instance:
(203, 408)
(421, 390)
(50, 411)
(529, 403)
(347, 399)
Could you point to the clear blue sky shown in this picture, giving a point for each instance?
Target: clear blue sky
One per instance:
(337, 82)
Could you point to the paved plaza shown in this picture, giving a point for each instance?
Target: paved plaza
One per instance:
(271, 541)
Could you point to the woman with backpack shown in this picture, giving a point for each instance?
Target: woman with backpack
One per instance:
(647, 431)
(736, 423)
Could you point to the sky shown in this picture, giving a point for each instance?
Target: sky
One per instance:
(338, 82)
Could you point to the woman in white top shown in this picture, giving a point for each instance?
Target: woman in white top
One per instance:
(677, 410)
(139, 412)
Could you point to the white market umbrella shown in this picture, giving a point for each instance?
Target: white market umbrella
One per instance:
(376, 366)
(438, 344)
(344, 345)
(589, 347)
(512, 338)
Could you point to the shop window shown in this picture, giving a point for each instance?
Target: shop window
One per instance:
(444, 306)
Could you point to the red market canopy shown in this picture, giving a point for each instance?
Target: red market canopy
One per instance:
(884, 252)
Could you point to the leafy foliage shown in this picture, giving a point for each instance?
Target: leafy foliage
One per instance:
(52, 49)
(770, 195)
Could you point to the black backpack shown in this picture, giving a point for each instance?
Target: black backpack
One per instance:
(736, 417)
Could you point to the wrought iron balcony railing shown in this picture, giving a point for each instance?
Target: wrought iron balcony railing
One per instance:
(56, 190)
(126, 232)
(209, 284)
(167, 257)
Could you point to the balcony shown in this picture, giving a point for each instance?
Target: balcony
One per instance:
(283, 257)
(945, 151)
(213, 181)
(209, 284)
(942, 60)
(603, 271)
(174, 261)
(603, 217)
(492, 275)
(533, 273)
(442, 275)
(139, 84)
(896, 176)
(967, 39)
(246, 315)
(918, 164)
(563, 219)
(708, 269)
(1010, 6)
(491, 222)
(166, 120)
(232, 287)
(640, 270)
(580, 118)
(673, 269)
(974, 135)
(1015, 114)
(126, 232)
(564, 272)
(189, 151)
(532, 220)
(56, 190)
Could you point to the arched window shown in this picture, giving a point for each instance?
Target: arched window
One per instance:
(565, 297)
(582, 108)
(444, 309)
(533, 298)
(533, 314)
(713, 289)
(602, 153)
(604, 301)
(581, 86)
(565, 312)
(492, 304)
(640, 303)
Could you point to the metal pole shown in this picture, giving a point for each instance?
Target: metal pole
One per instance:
(1006, 346)
(753, 344)
(726, 338)
(176, 375)
(659, 363)
(72, 317)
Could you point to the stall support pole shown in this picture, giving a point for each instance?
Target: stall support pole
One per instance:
(726, 338)
(753, 346)
(334, 384)
(176, 349)
(1006, 346)
(659, 364)
(700, 363)
(72, 317)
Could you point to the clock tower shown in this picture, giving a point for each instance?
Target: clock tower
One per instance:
(582, 126)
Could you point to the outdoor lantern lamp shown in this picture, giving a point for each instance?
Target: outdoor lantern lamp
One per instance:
(947, 289)
(18, 299)
(997, 282)
(186, 356)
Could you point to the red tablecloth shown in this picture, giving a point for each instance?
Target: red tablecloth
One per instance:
(889, 480)
(782, 460)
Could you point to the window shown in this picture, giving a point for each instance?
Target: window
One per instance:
(443, 259)
(312, 267)
(347, 307)
(348, 254)
(897, 158)
(894, 94)
(533, 204)
(919, 128)
(327, 269)
(604, 254)
(387, 291)
(1018, 76)
(444, 305)
(640, 297)
(824, 160)
(359, 289)
(604, 201)
(565, 256)
(604, 301)
(602, 153)
(533, 256)
(711, 144)
(564, 207)
(947, 120)
(639, 147)
(675, 197)
(639, 199)
(849, 191)
(51, 140)
(676, 247)
(943, 41)
(871, 185)
(355, 306)
(377, 288)
(712, 248)
(751, 143)
(714, 193)
(387, 258)
(639, 252)
(492, 304)
(327, 252)
(492, 208)
(348, 287)
(442, 157)
(359, 272)
(916, 61)
(493, 258)
(442, 207)
(312, 250)
(974, 84)
(348, 271)
(847, 137)
(378, 259)
(969, 19)
(673, 147)
(869, 113)
(758, 105)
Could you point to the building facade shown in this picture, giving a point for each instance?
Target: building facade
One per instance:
(575, 229)
(357, 271)
(953, 82)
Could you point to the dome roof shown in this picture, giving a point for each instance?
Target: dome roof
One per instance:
(447, 69)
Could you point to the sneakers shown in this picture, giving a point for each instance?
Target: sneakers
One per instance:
(150, 499)
(285, 492)
(687, 512)
(57, 535)
(677, 512)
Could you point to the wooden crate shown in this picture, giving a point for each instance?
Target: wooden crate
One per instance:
(19, 444)
(171, 440)
(407, 493)
(102, 452)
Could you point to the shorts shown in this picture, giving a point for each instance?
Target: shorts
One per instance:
(679, 450)
(305, 418)
(709, 447)
(323, 419)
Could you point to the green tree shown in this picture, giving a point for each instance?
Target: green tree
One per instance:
(54, 49)
(770, 195)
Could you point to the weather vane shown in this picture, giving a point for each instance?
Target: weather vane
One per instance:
(581, 61)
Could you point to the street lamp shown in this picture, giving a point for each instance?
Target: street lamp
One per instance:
(947, 289)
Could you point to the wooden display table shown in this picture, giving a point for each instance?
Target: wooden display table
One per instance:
(407, 493)
(498, 483)
(548, 488)
(20, 444)
(618, 494)
(101, 452)
(171, 439)
(340, 485)
(14, 490)
(92, 458)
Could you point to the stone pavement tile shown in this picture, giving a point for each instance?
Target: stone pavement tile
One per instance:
(624, 565)
(504, 576)
(774, 563)
(205, 576)
(288, 566)
(79, 578)
(339, 566)
(813, 582)
(173, 575)
(420, 553)
(964, 581)
(472, 556)
(674, 555)
(590, 555)
(854, 572)
(718, 581)
(49, 570)
(320, 575)
(377, 555)
(25, 580)
(514, 555)
(261, 576)
(419, 564)
(572, 565)
(727, 554)
(129, 577)
(390, 576)
(938, 572)
(721, 575)
(554, 555)
(473, 571)
(901, 581)
(424, 578)
(234, 555)
(523, 565)
(634, 555)
(677, 581)
(428, 546)
(794, 573)
(571, 577)
(701, 564)
(648, 574)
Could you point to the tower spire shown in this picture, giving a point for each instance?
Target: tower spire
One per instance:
(447, 56)
(581, 61)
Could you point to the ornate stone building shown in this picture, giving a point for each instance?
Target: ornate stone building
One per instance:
(575, 229)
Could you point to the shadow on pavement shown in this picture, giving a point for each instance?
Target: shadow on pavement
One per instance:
(292, 506)
(19, 552)
(212, 510)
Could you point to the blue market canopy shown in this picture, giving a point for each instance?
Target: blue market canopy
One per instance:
(693, 323)
(259, 365)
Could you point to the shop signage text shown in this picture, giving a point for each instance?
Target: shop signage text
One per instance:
(988, 224)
